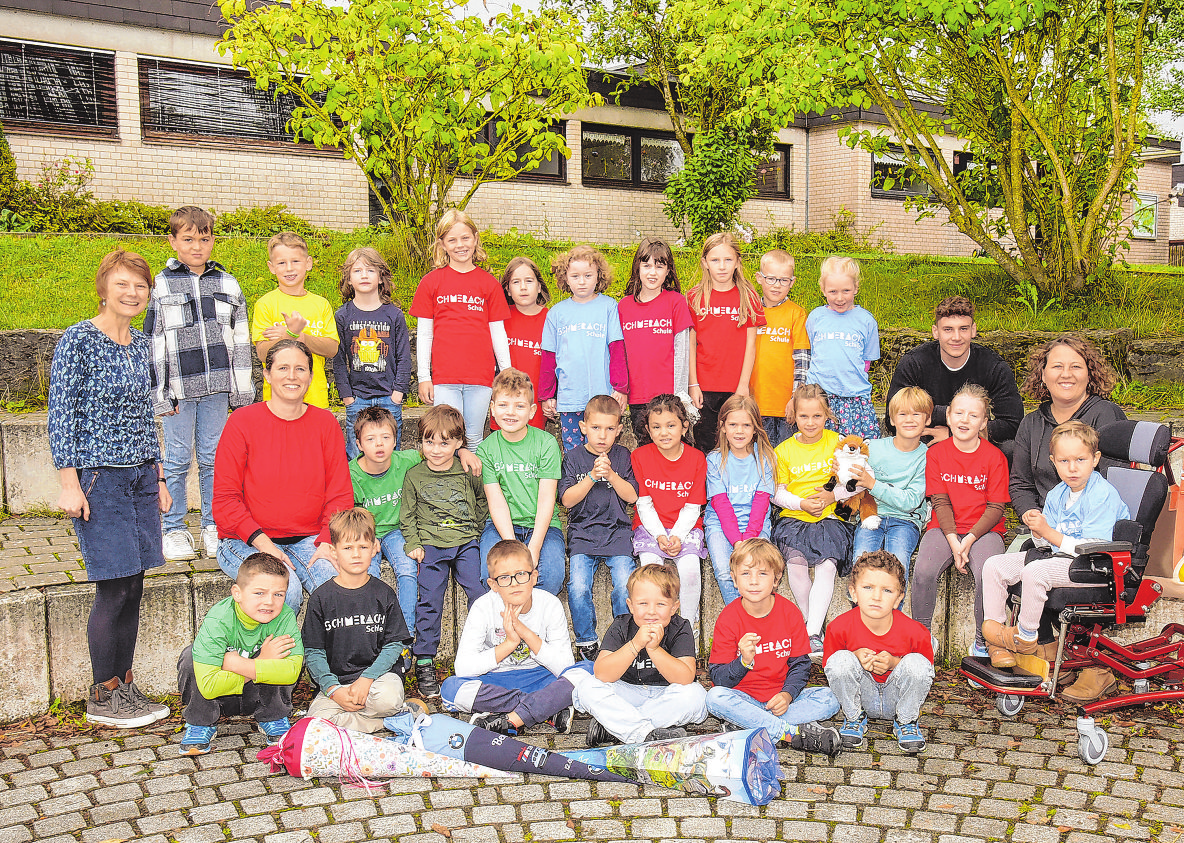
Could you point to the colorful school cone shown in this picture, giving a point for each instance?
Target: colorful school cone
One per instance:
(314, 747)
(439, 733)
(738, 766)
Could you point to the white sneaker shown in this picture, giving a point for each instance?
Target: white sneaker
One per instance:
(209, 541)
(178, 546)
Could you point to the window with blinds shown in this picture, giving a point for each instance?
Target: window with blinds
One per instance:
(50, 86)
(209, 101)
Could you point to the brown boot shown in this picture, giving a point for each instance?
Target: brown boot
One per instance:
(1092, 683)
(1001, 657)
(1048, 651)
(1008, 637)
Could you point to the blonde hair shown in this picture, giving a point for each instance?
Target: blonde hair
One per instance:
(700, 296)
(757, 553)
(287, 238)
(663, 576)
(974, 390)
(779, 256)
(355, 523)
(911, 399)
(513, 382)
(761, 446)
(561, 263)
(839, 265)
(373, 259)
(808, 392)
(1074, 429)
(451, 218)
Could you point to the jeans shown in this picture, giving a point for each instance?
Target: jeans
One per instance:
(898, 536)
(473, 403)
(778, 429)
(233, 552)
(200, 421)
(720, 550)
(351, 414)
(405, 569)
(552, 558)
(579, 592)
(747, 712)
(899, 698)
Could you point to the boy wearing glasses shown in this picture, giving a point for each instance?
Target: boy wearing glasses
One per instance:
(512, 650)
(782, 345)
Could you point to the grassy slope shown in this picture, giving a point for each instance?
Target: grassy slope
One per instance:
(48, 282)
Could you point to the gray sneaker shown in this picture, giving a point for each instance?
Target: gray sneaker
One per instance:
(160, 712)
(116, 706)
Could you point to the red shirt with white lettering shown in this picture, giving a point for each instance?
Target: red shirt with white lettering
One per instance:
(783, 636)
(971, 480)
(649, 329)
(461, 305)
(720, 340)
(526, 353)
(672, 484)
(849, 632)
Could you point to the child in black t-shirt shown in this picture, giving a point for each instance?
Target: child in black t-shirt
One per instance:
(354, 633)
(643, 686)
(596, 484)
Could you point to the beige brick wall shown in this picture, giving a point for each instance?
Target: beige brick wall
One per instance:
(1176, 215)
(1154, 177)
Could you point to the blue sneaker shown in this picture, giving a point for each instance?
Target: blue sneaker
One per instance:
(908, 736)
(852, 732)
(197, 739)
(273, 730)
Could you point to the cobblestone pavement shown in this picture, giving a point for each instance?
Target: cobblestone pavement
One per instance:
(981, 778)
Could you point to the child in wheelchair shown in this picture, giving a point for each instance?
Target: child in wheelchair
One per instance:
(1082, 508)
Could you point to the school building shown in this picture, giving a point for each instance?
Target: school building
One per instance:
(139, 88)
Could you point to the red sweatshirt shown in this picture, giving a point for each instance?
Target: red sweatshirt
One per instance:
(286, 478)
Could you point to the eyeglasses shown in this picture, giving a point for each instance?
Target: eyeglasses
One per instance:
(517, 578)
(775, 282)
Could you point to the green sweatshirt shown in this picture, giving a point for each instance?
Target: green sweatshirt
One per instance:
(226, 628)
(441, 508)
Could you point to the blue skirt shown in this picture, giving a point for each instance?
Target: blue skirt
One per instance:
(122, 536)
(829, 538)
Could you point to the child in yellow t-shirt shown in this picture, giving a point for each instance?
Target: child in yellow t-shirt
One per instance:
(292, 311)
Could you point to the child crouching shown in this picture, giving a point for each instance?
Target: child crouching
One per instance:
(245, 659)
(878, 660)
(643, 686)
(760, 658)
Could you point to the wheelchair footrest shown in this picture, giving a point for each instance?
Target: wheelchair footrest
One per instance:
(980, 667)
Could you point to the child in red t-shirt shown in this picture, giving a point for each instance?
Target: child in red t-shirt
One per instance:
(528, 297)
(726, 311)
(672, 488)
(656, 324)
(966, 478)
(471, 309)
(877, 659)
(760, 658)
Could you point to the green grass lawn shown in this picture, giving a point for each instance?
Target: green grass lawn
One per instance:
(48, 282)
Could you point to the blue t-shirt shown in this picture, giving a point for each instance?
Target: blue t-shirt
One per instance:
(900, 480)
(740, 480)
(1091, 516)
(840, 345)
(579, 335)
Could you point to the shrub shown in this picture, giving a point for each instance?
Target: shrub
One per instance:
(8, 180)
(263, 222)
(841, 238)
(719, 177)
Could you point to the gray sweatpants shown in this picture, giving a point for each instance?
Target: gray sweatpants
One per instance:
(933, 557)
(899, 698)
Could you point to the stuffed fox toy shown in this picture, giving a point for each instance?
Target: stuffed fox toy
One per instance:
(852, 452)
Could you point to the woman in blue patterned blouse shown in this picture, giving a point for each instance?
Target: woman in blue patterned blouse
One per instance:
(104, 446)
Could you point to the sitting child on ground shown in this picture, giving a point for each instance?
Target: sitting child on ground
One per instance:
(878, 660)
(1082, 508)
(643, 685)
(760, 658)
(354, 633)
(245, 659)
(512, 650)
(596, 485)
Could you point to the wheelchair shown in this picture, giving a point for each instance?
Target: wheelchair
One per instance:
(1109, 592)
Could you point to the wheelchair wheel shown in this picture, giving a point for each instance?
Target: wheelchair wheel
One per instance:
(1009, 705)
(1092, 741)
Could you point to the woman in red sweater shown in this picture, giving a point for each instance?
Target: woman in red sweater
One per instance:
(279, 475)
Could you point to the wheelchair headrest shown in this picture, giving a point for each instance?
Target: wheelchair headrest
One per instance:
(1135, 441)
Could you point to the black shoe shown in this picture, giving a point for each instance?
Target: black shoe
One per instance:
(666, 734)
(813, 737)
(425, 678)
(562, 721)
(598, 735)
(587, 652)
(499, 723)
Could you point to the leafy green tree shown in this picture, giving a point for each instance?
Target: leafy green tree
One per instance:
(8, 180)
(1047, 95)
(714, 182)
(1165, 62)
(417, 97)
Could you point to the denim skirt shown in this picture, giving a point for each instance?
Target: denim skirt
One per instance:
(828, 538)
(122, 536)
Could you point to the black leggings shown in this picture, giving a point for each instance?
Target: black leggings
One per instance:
(113, 626)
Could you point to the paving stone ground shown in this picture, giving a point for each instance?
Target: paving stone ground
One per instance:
(982, 778)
